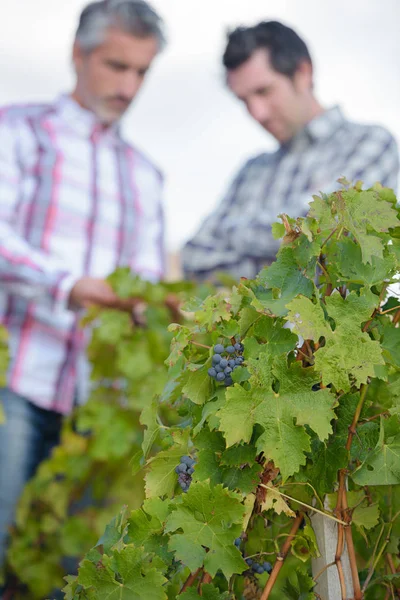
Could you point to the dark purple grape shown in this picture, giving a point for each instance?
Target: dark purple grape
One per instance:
(218, 349)
(231, 363)
(223, 363)
(182, 468)
(216, 359)
(230, 350)
(212, 372)
(227, 371)
(220, 376)
(190, 471)
(249, 561)
(219, 369)
(237, 542)
(187, 460)
(267, 567)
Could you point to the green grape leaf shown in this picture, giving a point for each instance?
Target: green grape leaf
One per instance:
(210, 445)
(123, 577)
(391, 344)
(301, 588)
(114, 533)
(209, 592)
(362, 211)
(209, 517)
(148, 521)
(284, 281)
(321, 210)
(382, 465)
(161, 478)
(238, 456)
(237, 416)
(243, 479)
(198, 386)
(351, 267)
(328, 459)
(282, 415)
(214, 310)
(279, 340)
(308, 319)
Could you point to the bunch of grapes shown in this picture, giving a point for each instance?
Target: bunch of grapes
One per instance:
(185, 470)
(225, 361)
(259, 568)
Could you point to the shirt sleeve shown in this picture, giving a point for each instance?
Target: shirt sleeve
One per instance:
(225, 244)
(24, 270)
(376, 160)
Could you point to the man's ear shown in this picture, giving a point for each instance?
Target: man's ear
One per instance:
(304, 76)
(77, 56)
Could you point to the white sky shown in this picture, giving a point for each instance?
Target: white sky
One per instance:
(184, 118)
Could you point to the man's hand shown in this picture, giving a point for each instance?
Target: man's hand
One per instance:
(89, 291)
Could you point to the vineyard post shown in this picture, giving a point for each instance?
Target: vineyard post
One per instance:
(328, 583)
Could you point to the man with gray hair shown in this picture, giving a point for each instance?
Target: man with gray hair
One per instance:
(76, 202)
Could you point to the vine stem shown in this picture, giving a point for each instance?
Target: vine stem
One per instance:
(200, 345)
(344, 532)
(377, 559)
(205, 579)
(389, 559)
(348, 534)
(325, 568)
(190, 580)
(281, 557)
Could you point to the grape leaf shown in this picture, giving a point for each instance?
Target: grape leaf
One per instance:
(161, 478)
(281, 415)
(209, 518)
(209, 592)
(300, 589)
(147, 521)
(214, 310)
(382, 465)
(123, 577)
(348, 351)
(391, 344)
(237, 416)
(285, 281)
(360, 211)
(274, 500)
(348, 261)
(198, 386)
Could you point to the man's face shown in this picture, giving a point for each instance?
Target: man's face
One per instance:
(109, 77)
(281, 105)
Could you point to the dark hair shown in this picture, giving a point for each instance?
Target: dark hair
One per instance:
(285, 48)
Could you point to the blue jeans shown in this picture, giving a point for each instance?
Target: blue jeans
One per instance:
(26, 438)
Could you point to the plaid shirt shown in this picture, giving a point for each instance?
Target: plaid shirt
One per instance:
(237, 237)
(75, 200)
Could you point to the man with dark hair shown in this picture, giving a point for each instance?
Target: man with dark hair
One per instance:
(269, 68)
(76, 202)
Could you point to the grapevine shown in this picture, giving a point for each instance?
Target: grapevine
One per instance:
(309, 423)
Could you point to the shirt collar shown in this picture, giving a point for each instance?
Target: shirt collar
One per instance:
(85, 121)
(325, 124)
(320, 128)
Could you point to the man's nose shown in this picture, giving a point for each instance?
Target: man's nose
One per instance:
(258, 109)
(129, 85)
